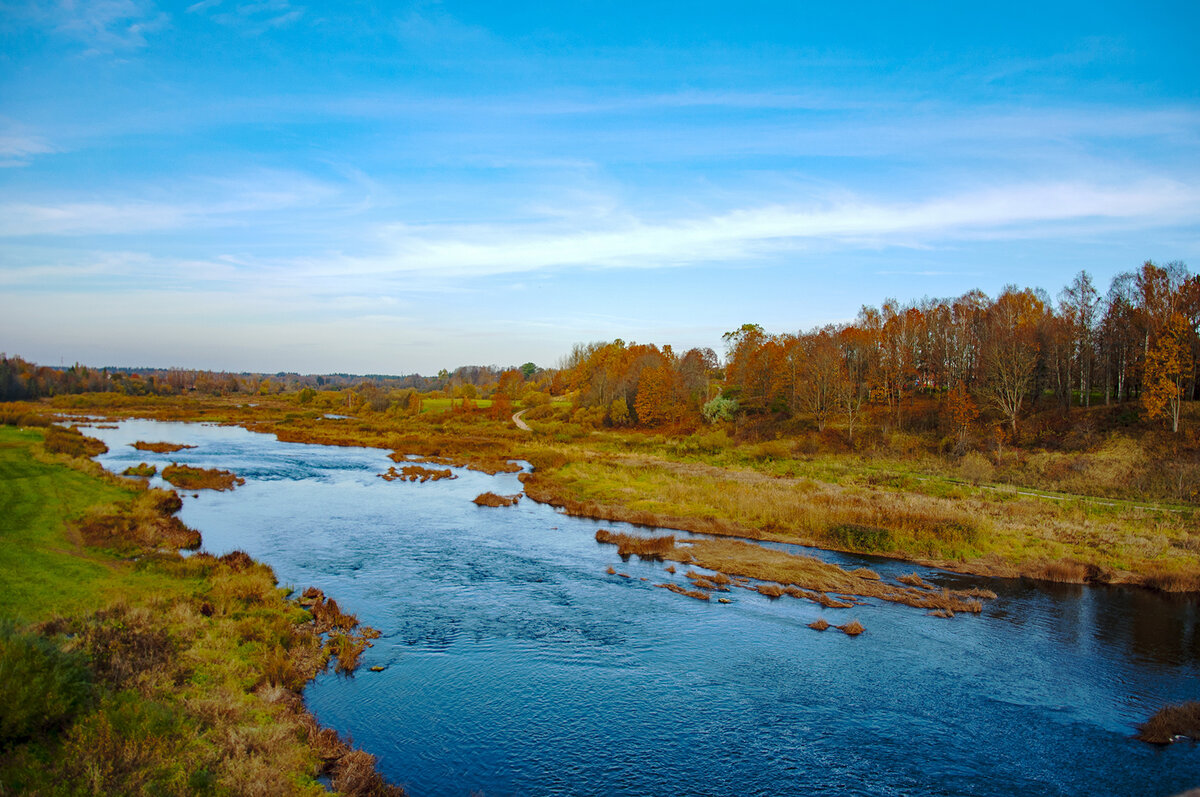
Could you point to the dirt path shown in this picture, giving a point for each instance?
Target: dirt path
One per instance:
(520, 422)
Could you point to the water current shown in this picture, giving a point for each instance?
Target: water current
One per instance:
(514, 664)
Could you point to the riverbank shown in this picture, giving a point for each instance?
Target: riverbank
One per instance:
(882, 504)
(131, 669)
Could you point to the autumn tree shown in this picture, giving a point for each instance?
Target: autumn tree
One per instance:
(961, 411)
(1169, 364)
(1010, 353)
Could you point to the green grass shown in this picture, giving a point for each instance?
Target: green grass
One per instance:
(150, 675)
(42, 572)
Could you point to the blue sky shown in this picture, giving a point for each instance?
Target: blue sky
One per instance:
(402, 187)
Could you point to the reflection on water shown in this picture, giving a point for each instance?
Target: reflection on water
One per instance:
(515, 665)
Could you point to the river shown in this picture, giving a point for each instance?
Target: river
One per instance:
(514, 664)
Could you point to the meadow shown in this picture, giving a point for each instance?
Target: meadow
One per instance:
(126, 668)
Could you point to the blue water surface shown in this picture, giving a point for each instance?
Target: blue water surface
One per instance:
(514, 664)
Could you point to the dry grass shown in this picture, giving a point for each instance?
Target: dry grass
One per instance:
(186, 477)
(1064, 571)
(852, 628)
(691, 593)
(347, 648)
(159, 448)
(801, 576)
(491, 499)
(820, 624)
(355, 775)
(1171, 722)
(417, 473)
(914, 580)
(644, 547)
(141, 469)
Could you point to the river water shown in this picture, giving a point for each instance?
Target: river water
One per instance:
(515, 665)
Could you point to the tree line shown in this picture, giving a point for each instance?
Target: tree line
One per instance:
(1136, 342)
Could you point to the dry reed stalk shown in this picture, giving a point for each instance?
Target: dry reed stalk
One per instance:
(820, 624)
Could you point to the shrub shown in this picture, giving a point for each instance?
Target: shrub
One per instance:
(861, 538)
(41, 686)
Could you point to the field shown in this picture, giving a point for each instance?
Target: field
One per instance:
(129, 669)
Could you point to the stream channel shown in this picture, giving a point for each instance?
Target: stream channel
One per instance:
(514, 664)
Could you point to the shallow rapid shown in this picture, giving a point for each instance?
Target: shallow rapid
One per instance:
(515, 665)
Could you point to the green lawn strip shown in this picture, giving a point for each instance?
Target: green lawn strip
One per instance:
(42, 572)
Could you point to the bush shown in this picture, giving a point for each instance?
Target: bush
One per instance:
(41, 686)
(861, 538)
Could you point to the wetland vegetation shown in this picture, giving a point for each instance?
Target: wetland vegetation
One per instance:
(126, 668)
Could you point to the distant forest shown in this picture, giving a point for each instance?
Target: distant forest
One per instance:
(980, 358)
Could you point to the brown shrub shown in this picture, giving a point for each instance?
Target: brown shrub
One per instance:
(1171, 722)
(852, 628)
(238, 561)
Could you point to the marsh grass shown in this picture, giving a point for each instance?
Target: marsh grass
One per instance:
(852, 628)
(1172, 722)
(142, 469)
(160, 448)
(186, 477)
(650, 548)
(820, 624)
(494, 500)
(784, 573)
(691, 593)
(417, 473)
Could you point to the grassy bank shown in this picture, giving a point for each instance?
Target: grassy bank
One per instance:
(1008, 516)
(128, 669)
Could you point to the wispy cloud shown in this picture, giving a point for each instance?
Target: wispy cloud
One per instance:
(1014, 212)
(18, 145)
(212, 203)
(252, 18)
(107, 26)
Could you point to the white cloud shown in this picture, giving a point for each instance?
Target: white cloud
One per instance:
(215, 202)
(108, 25)
(1013, 212)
